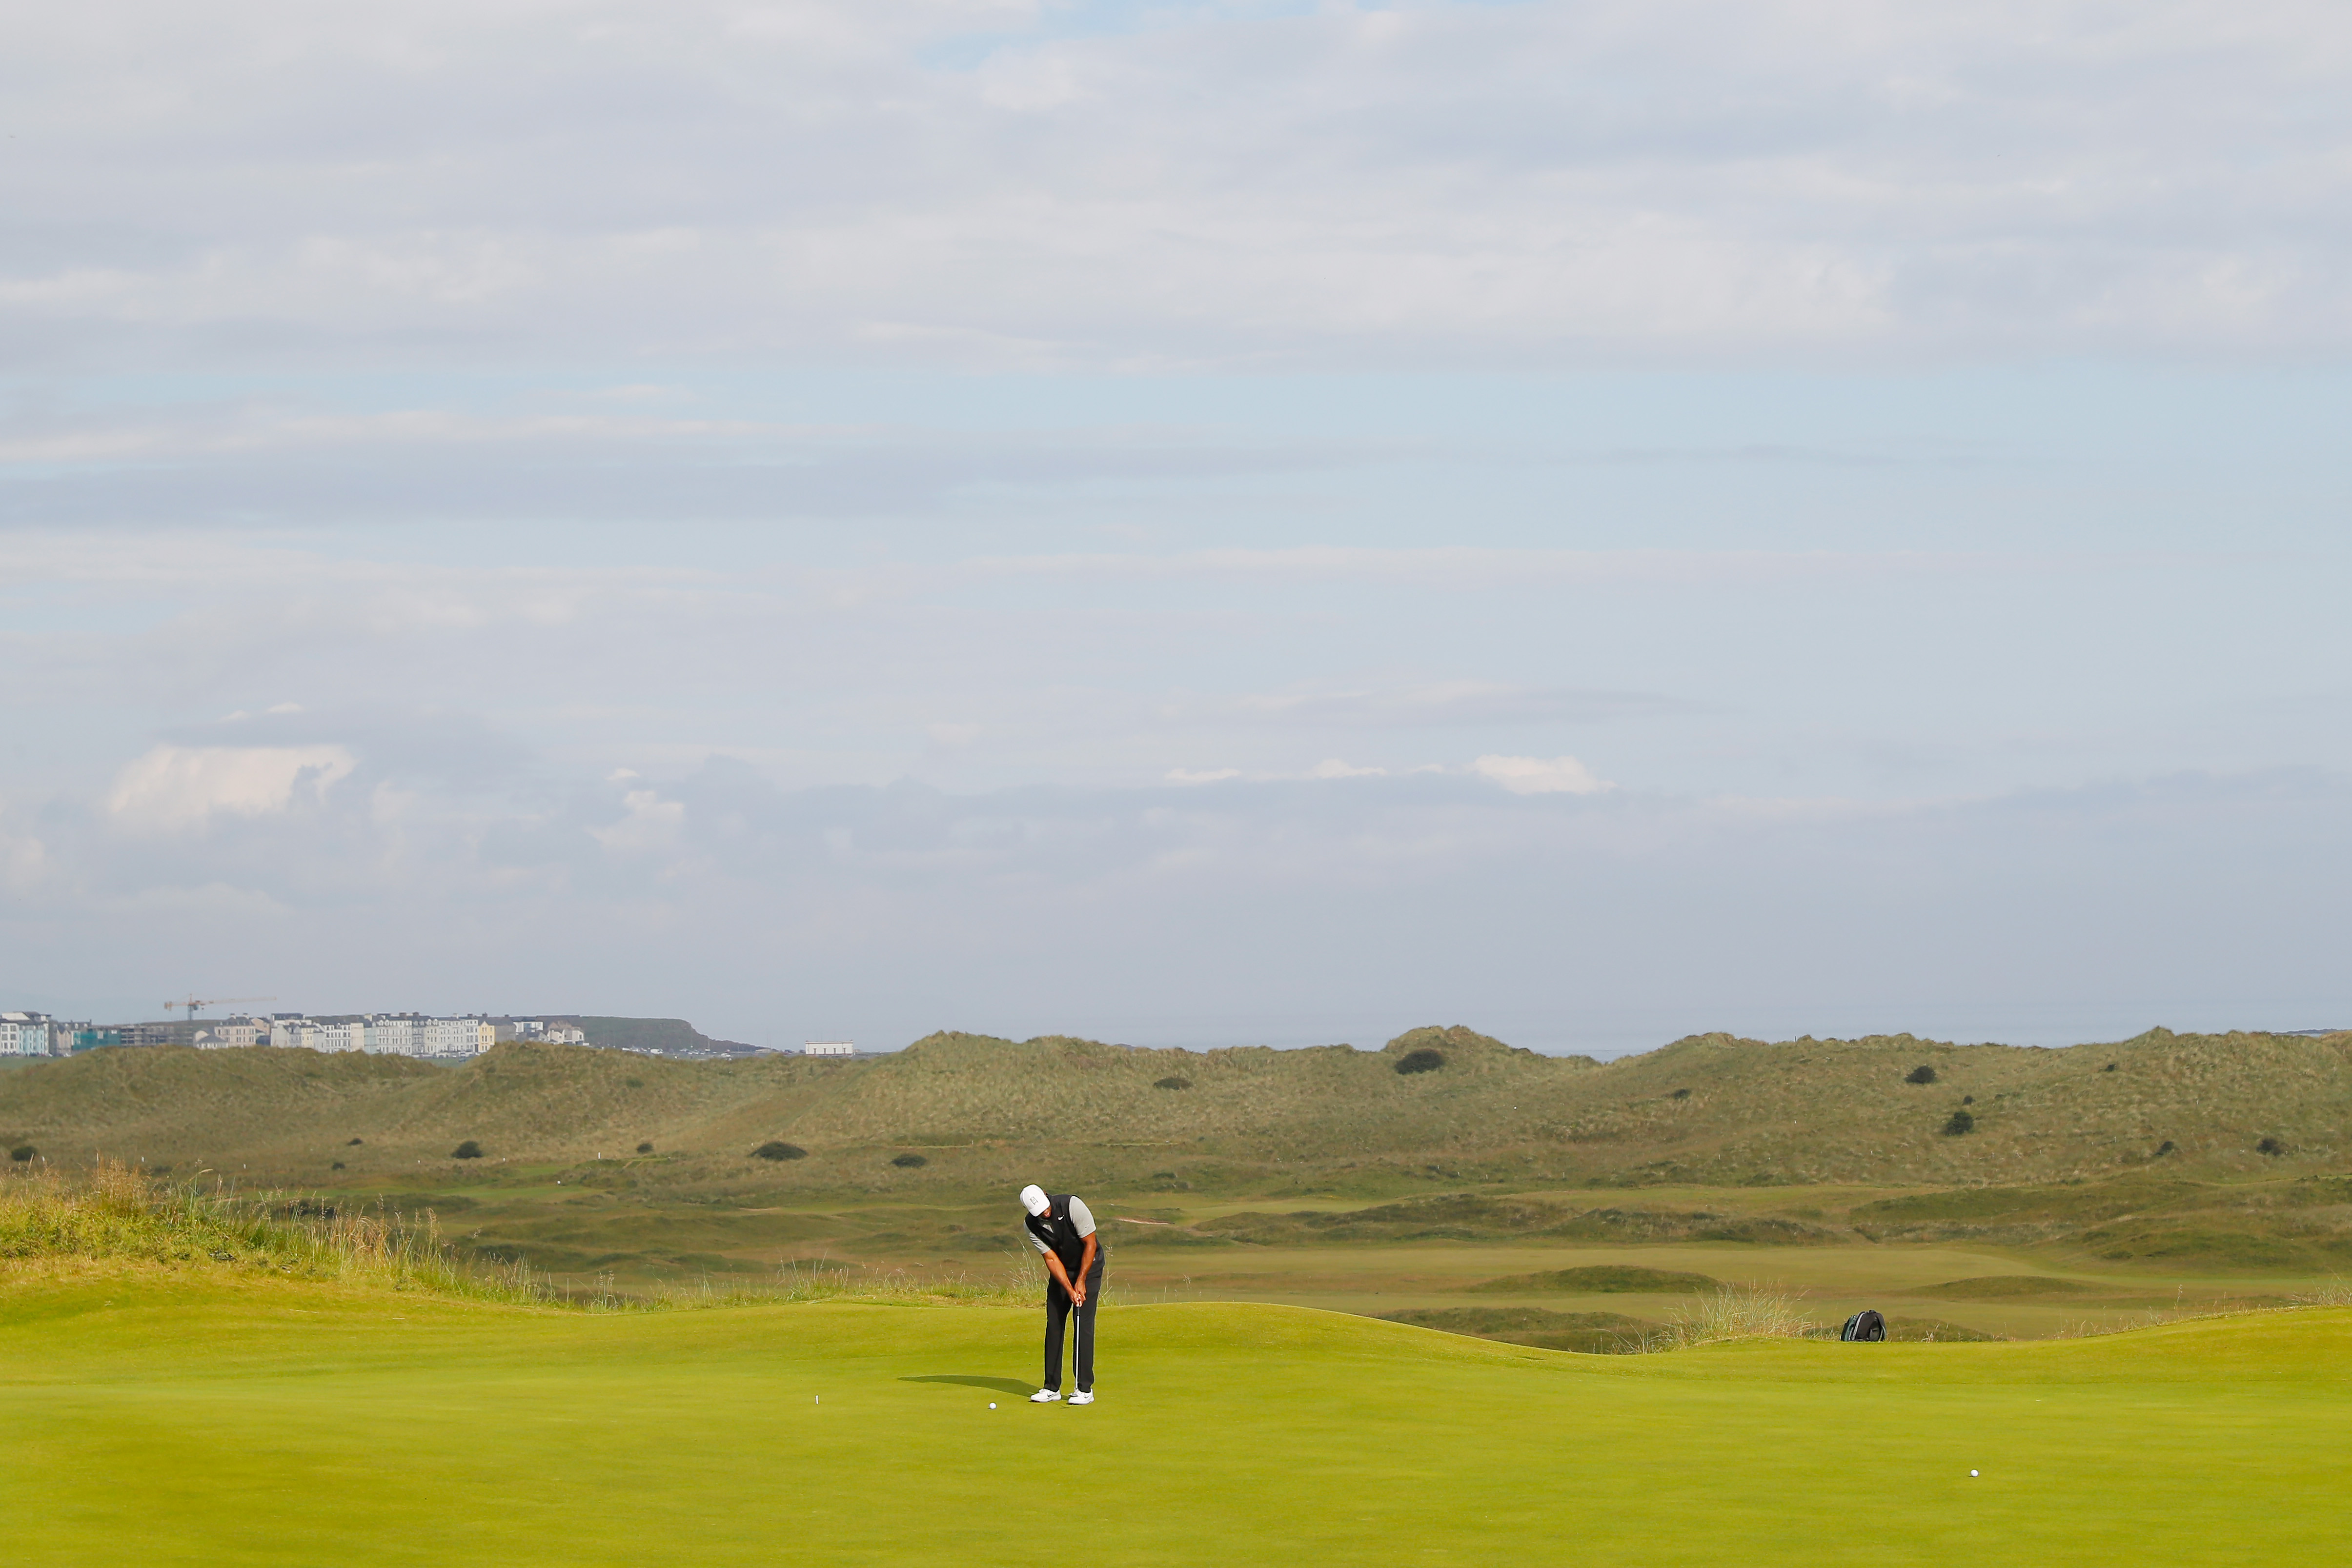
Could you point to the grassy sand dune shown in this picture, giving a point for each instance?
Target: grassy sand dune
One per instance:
(189, 1419)
(1712, 1110)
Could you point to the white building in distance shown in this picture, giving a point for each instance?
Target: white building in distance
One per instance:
(539, 1029)
(828, 1048)
(386, 1034)
(25, 1034)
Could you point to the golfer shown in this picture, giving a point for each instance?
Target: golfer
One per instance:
(1061, 1229)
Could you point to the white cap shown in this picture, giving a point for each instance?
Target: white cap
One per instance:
(1032, 1199)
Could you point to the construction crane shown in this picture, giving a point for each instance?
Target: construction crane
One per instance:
(197, 1004)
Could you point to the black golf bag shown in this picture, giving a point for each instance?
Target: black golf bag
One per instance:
(1864, 1324)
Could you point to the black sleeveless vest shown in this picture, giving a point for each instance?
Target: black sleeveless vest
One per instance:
(1062, 1235)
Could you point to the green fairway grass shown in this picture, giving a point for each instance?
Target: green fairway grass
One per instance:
(197, 1417)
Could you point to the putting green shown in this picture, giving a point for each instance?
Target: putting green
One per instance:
(154, 1420)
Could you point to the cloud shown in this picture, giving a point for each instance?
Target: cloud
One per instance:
(1539, 184)
(1540, 775)
(900, 908)
(174, 788)
(652, 823)
(1426, 705)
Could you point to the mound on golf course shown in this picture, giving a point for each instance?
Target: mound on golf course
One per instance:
(191, 1417)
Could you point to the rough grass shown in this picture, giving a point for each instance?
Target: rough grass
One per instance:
(1587, 1334)
(1598, 1279)
(119, 1214)
(2001, 1288)
(1934, 1331)
(1735, 1313)
(1795, 1112)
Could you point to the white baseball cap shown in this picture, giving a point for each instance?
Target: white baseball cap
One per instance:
(1032, 1199)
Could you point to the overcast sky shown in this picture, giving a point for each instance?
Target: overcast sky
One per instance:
(1185, 524)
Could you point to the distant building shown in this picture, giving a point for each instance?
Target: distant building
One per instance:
(459, 1037)
(65, 1039)
(382, 1034)
(231, 1036)
(23, 1034)
(828, 1048)
(396, 1036)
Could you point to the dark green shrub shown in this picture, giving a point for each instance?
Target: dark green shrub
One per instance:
(1920, 1075)
(644, 1148)
(339, 1165)
(2270, 1146)
(910, 1162)
(635, 1082)
(1968, 1099)
(1681, 1094)
(2110, 1067)
(774, 1151)
(468, 1150)
(1421, 1060)
(2166, 1147)
(23, 1152)
(1171, 1083)
(355, 1141)
(1961, 1122)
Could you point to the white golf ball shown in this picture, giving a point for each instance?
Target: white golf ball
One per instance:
(992, 1405)
(1972, 1472)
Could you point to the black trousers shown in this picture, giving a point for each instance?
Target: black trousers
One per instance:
(1057, 1313)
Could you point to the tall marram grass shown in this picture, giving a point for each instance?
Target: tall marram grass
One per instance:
(117, 1212)
(1733, 1312)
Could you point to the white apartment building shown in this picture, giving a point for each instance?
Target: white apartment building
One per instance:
(828, 1048)
(539, 1029)
(459, 1037)
(232, 1035)
(25, 1034)
(398, 1036)
(384, 1034)
(289, 1032)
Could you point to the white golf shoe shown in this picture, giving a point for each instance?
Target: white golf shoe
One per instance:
(1083, 1397)
(1045, 1396)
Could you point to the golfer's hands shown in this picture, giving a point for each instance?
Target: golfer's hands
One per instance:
(1077, 1295)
